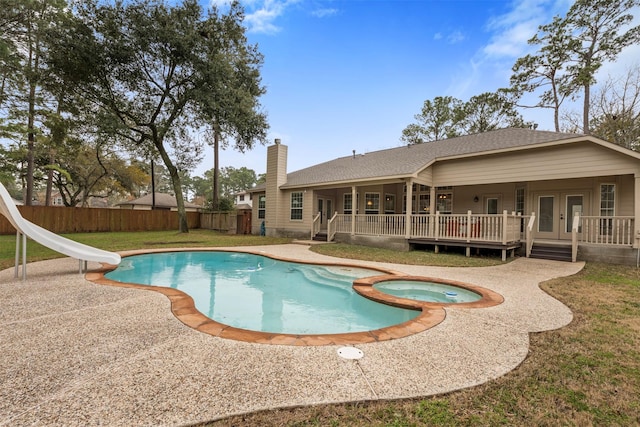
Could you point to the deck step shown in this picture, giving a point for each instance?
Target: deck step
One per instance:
(552, 252)
(320, 237)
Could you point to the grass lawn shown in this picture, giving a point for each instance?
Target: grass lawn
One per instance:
(585, 374)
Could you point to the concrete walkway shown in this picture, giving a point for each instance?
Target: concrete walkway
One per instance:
(77, 353)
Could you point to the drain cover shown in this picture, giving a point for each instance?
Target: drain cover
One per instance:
(350, 353)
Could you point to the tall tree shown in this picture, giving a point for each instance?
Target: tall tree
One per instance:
(154, 70)
(438, 119)
(28, 58)
(10, 27)
(601, 30)
(489, 111)
(546, 69)
(235, 113)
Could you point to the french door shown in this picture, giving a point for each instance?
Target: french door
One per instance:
(325, 207)
(555, 211)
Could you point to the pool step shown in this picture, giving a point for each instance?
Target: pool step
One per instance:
(327, 278)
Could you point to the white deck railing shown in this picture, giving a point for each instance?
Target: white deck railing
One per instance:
(607, 230)
(501, 228)
(331, 227)
(315, 226)
(469, 227)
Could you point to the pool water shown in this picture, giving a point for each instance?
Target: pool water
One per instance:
(427, 291)
(258, 293)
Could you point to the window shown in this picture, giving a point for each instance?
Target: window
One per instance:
(347, 203)
(444, 203)
(390, 204)
(296, 205)
(413, 204)
(607, 207)
(372, 203)
(262, 204)
(520, 206)
(520, 200)
(241, 197)
(425, 202)
(492, 205)
(607, 199)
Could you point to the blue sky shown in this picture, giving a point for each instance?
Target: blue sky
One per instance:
(349, 75)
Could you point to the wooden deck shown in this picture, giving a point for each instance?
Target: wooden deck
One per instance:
(437, 243)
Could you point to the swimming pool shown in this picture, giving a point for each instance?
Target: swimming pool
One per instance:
(258, 293)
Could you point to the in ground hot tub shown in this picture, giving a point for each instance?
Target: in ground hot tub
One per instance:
(427, 291)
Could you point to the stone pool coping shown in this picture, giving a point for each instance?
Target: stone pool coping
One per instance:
(79, 354)
(431, 313)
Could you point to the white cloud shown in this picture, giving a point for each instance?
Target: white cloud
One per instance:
(261, 15)
(512, 30)
(455, 37)
(323, 13)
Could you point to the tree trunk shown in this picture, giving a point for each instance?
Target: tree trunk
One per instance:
(31, 139)
(216, 170)
(52, 159)
(585, 111)
(183, 226)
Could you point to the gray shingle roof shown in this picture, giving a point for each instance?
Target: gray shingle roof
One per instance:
(408, 160)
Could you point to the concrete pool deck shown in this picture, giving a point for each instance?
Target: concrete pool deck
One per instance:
(78, 353)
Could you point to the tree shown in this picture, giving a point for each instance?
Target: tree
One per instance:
(545, 69)
(615, 110)
(438, 119)
(232, 181)
(25, 53)
(489, 111)
(598, 28)
(10, 24)
(236, 180)
(447, 117)
(154, 71)
(235, 111)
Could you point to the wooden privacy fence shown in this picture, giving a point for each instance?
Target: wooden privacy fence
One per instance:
(219, 221)
(86, 220)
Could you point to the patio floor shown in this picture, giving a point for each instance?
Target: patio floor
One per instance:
(77, 353)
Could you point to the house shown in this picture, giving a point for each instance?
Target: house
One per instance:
(243, 200)
(533, 191)
(162, 201)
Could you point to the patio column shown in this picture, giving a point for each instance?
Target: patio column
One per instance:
(636, 211)
(407, 209)
(354, 209)
(432, 210)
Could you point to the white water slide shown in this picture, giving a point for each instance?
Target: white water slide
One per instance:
(46, 238)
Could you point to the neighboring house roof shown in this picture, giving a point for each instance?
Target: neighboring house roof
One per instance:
(244, 206)
(409, 160)
(162, 201)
